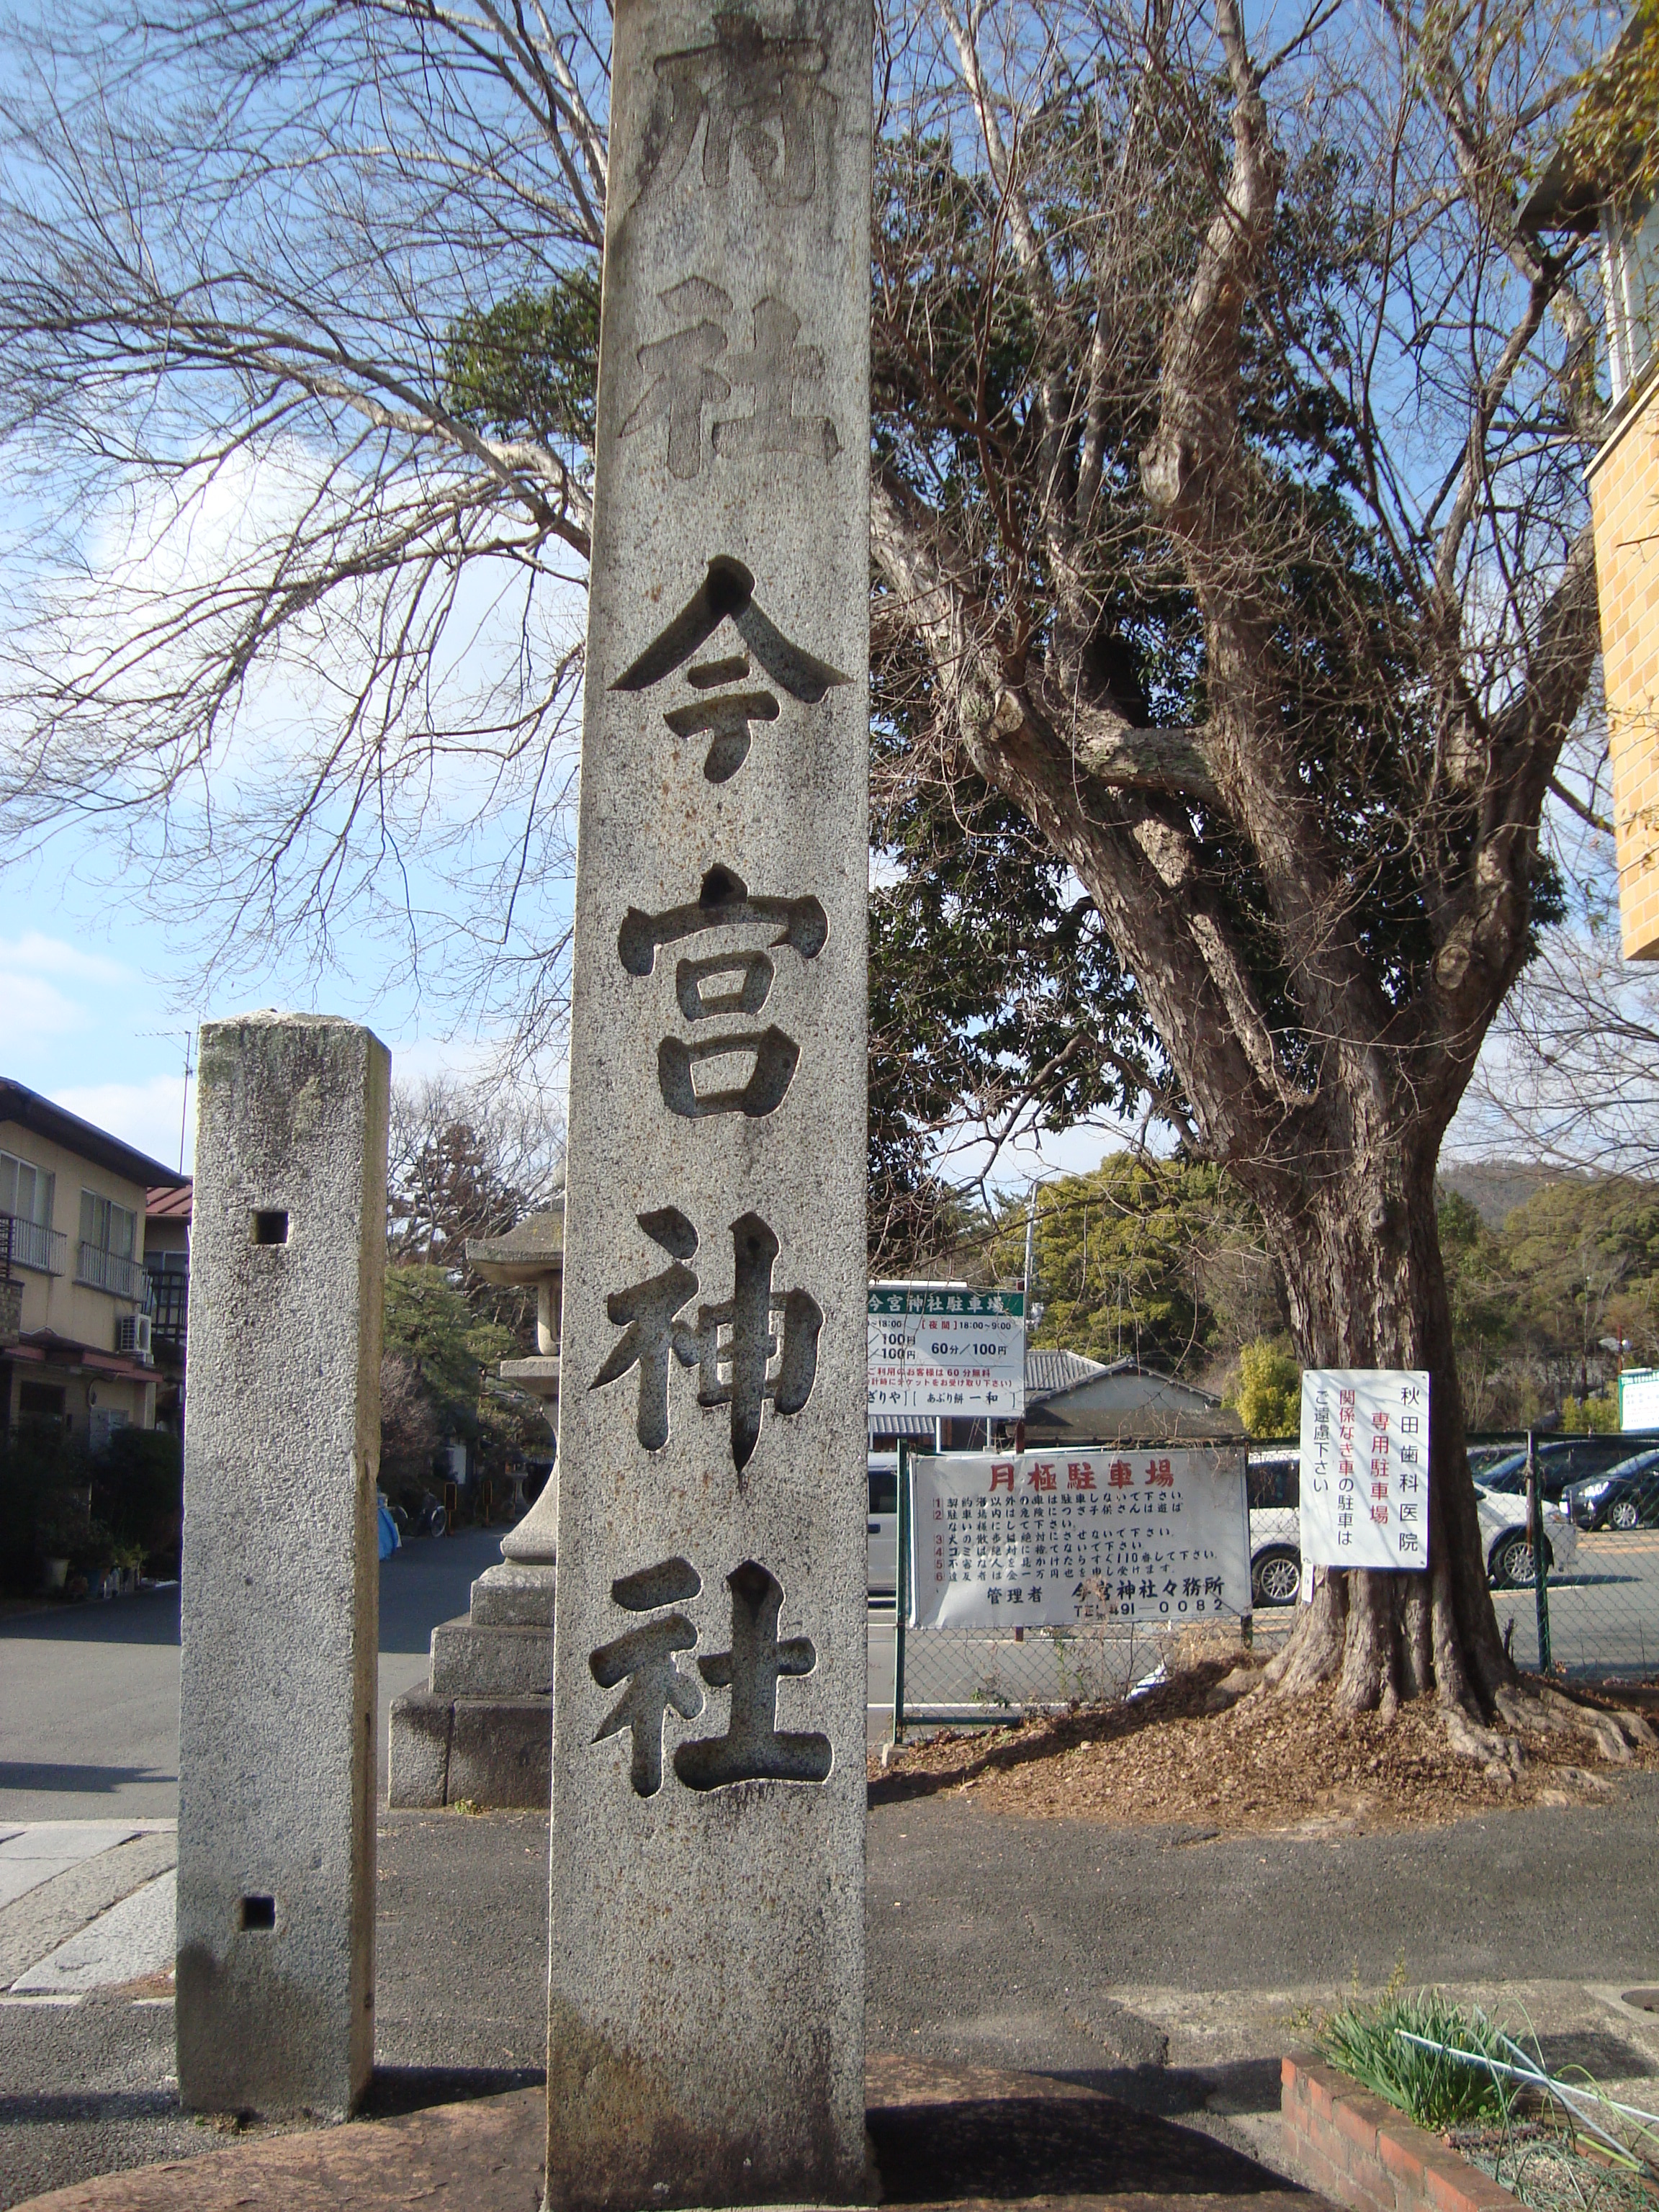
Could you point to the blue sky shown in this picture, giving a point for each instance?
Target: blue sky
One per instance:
(98, 1005)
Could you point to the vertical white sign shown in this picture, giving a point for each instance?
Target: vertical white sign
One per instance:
(1638, 1398)
(1364, 1470)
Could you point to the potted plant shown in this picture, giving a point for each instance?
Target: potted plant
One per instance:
(60, 1532)
(94, 1556)
(128, 1565)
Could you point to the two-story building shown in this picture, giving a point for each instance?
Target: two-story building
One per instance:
(1582, 193)
(166, 1263)
(76, 1331)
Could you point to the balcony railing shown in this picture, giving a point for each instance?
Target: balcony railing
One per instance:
(30, 1244)
(108, 1271)
(169, 1304)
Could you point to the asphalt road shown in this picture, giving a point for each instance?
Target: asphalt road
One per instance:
(1167, 1970)
(1604, 1610)
(89, 1693)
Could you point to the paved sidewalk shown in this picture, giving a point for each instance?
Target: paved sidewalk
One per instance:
(939, 2135)
(1155, 1965)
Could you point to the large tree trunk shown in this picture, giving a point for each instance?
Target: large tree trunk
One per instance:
(1361, 1265)
(1316, 1054)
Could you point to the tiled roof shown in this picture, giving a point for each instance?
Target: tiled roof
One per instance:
(1047, 1371)
(165, 1205)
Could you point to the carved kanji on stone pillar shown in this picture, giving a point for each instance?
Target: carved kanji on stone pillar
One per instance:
(709, 1634)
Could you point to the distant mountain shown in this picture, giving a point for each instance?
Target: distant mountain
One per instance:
(1495, 1188)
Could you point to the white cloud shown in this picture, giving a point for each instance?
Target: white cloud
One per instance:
(36, 954)
(35, 1009)
(1037, 1157)
(424, 1060)
(143, 1115)
(34, 968)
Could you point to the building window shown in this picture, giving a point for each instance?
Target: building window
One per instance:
(103, 1423)
(1630, 265)
(41, 1401)
(109, 1234)
(26, 1201)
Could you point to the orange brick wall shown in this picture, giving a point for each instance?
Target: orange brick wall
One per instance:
(1625, 505)
(1363, 2154)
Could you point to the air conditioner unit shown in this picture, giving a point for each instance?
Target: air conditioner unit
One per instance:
(133, 1334)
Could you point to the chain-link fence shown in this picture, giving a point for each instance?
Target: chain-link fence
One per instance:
(957, 1676)
(1596, 1618)
(1598, 1615)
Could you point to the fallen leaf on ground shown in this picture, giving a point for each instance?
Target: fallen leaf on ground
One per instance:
(1266, 1763)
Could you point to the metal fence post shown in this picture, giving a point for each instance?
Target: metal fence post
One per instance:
(901, 1587)
(1540, 1565)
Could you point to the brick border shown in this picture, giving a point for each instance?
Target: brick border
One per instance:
(1358, 2151)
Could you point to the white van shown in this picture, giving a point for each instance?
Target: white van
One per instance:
(882, 1525)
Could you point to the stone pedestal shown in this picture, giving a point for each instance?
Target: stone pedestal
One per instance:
(280, 1600)
(481, 1730)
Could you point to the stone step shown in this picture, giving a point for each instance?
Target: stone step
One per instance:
(470, 1659)
(486, 1751)
(509, 1596)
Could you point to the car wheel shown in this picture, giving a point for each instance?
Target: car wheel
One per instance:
(1276, 1576)
(1623, 1515)
(1512, 1561)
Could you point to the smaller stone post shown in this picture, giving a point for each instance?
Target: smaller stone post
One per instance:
(276, 1751)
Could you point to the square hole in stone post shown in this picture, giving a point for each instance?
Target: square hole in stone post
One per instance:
(269, 1225)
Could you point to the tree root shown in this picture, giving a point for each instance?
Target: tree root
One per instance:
(1243, 1682)
(1547, 1713)
(1370, 1643)
(1500, 1756)
(1616, 1732)
(1585, 1779)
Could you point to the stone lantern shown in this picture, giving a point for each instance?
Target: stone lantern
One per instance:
(482, 1728)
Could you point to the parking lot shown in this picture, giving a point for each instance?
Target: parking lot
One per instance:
(1603, 1613)
(114, 1669)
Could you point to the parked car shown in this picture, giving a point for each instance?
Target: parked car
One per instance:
(1273, 1486)
(1625, 1496)
(882, 1525)
(1273, 1481)
(1509, 1547)
(1483, 1457)
(1561, 1462)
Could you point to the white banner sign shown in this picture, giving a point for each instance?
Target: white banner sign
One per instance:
(1051, 1540)
(1364, 1470)
(1638, 1398)
(951, 1352)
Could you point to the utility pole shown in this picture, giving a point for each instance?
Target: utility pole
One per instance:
(189, 1069)
(184, 1104)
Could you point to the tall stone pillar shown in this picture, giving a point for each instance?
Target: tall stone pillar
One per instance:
(707, 1999)
(276, 1753)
